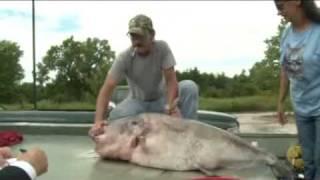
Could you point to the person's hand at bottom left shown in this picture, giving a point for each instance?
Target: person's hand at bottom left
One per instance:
(37, 158)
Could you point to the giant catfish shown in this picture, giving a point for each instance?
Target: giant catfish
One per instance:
(165, 142)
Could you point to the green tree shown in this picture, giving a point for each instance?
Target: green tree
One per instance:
(265, 74)
(195, 75)
(11, 72)
(79, 68)
(242, 85)
(26, 92)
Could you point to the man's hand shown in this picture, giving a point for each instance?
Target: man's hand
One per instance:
(281, 116)
(37, 159)
(5, 153)
(97, 128)
(173, 110)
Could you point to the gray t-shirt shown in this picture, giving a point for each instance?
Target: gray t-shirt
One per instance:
(144, 74)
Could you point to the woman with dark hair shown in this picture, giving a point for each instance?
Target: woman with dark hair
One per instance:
(300, 68)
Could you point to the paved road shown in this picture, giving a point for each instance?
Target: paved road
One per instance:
(265, 122)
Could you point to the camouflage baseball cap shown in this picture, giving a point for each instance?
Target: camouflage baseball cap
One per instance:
(140, 24)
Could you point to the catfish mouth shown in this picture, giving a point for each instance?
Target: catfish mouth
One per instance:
(139, 129)
(136, 141)
(124, 152)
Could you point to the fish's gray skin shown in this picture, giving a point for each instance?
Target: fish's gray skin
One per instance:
(161, 141)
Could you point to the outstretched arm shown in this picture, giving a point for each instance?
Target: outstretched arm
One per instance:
(283, 91)
(172, 91)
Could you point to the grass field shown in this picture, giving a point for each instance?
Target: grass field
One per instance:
(242, 104)
(237, 104)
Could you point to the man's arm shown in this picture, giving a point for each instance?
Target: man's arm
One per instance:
(172, 89)
(104, 98)
(115, 75)
(102, 105)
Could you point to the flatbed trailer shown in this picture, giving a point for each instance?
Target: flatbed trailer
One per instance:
(71, 156)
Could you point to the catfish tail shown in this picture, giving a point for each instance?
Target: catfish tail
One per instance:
(280, 169)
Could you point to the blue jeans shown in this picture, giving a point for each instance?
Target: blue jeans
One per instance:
(309, 138)
(188, 103)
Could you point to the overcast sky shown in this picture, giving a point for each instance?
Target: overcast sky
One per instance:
(214, 36)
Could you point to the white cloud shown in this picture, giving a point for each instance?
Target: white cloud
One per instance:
(215, 36)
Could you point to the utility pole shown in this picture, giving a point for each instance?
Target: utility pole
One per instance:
(34, 58)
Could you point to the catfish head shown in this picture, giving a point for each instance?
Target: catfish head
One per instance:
(121, 137)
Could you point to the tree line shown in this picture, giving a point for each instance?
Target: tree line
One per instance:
(75, 70)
